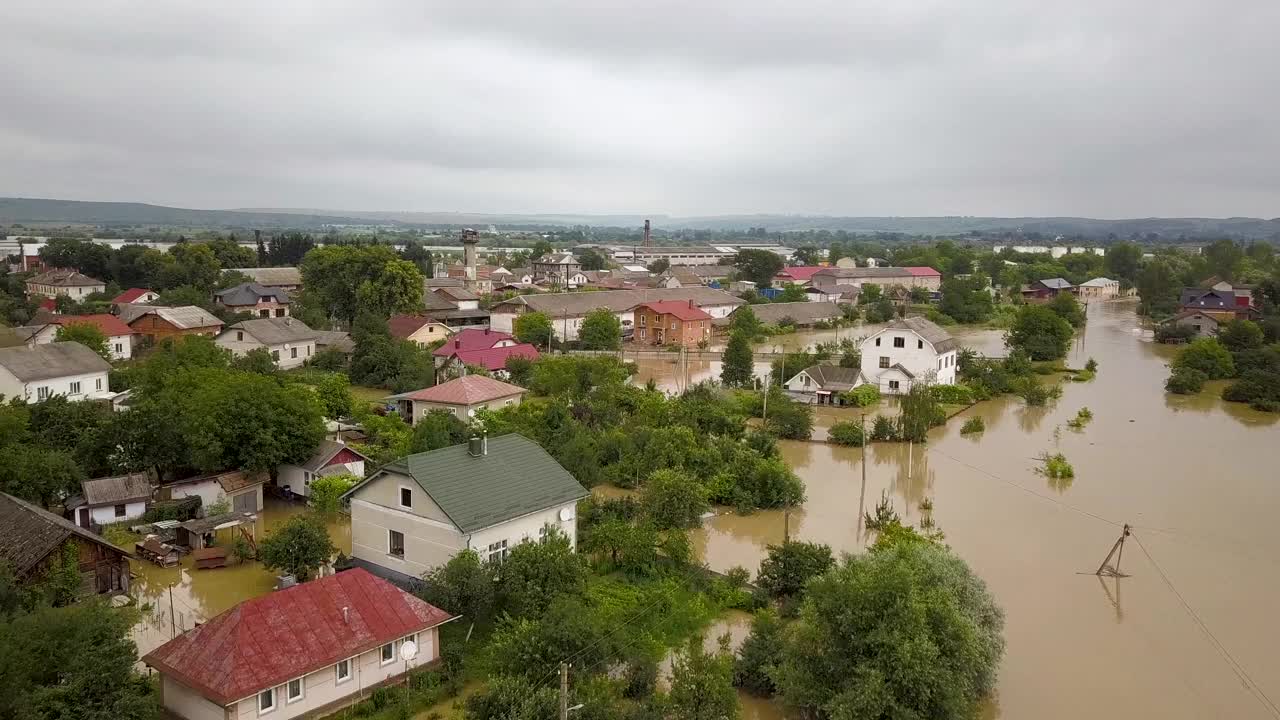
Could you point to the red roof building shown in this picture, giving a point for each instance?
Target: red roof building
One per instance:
(417, 328)
(469, 339)
(136, 295)
(110, 325)
(800, 274)
(461, 396)
(495, 359)
(320, 644)
(922, 271)
(671, 322)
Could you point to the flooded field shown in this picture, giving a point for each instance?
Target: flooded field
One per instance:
(1197, 476)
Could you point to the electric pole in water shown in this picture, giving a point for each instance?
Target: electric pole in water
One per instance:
(862, 496)
(173, 624)
(1118, 551)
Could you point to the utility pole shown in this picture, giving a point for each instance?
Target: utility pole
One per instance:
(173, 621)
(564, 691)
(786, 525)
(862, 495)
(1114, 571)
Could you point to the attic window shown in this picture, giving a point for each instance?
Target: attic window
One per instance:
(919, 344)
(239, 336)
(406, 498)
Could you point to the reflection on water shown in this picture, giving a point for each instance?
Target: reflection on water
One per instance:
(198, 595)
(1195, 475)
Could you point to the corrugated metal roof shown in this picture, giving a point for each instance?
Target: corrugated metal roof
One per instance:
(471, 339)
(130, 295)
(324, 452)
(496, 358)
(271, 639)
(184, 317)
(467, 390)
(681, 310)
(277, 330)
(63, 277)
(51, 360)
(803, 312)
(833, 377)
(515, 477)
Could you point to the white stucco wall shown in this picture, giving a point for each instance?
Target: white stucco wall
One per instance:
(296, 479)
(187, 703)
(797, 384)
(91, 385)
(120, 347)
(289, 355)
(918, 356)
(106, 514)
(209, 491)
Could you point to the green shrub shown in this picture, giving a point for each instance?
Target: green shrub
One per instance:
(1208, 356)
(862, 396)
(1083, 376)
(938, 317)
(1056, 466)
(974, 424)
(1081, 419)
(1091, 366)
(884, 429)
(847, 433)
(952, 394)
(1185, 381)
(1171, 333)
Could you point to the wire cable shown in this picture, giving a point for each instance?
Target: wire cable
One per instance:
(1243, 675)
(602, 638)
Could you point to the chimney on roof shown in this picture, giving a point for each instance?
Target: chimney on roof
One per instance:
(690, 303)
(346, 617)
(457, 343)
(475, 447)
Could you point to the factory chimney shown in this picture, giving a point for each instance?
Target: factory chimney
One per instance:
(470, 238)
(648, 238)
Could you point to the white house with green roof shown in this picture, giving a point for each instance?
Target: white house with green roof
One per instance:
(487, 495)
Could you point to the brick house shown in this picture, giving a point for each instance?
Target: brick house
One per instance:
(671, 322)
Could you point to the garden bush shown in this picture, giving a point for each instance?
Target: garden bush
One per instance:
(1185, 381)
(973, 425)
(862, 396)
(952, 394)
(847, 433)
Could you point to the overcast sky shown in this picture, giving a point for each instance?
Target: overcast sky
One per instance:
(1100, 108)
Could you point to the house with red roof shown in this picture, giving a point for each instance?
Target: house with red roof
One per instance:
(671, 322)
(469, 339)
(799, 275)
(462, 397)
(493, 360)
(119, 336)
(420, 329)
(308, 650)
(136, 296)
(925, 277)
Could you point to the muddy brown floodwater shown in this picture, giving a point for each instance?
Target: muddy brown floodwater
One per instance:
(1199, 477)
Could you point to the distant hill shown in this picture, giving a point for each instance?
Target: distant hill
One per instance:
(32, 210)
(24, 210)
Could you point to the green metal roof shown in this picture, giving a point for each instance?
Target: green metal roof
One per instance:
(515, 477)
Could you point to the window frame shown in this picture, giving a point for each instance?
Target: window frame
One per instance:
(384, 662)
(270, 692)
(293, 353)
(74, 388)
(403, 490)
(900, 342)
(338, 678)
(884, 362)
(391, 545)
(43, 393)
(302, 690)
(120, 510)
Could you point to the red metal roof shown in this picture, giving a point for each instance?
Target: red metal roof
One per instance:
(496, 358)
(921, 271)
(130, 295)
(110, 325)
(682, 310)
(274, 638)
(802, 273)
(471, 339)
(466, 390)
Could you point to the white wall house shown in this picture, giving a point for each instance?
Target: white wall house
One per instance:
(568, 310)
(486, 495)
(288, 339)
(909, 350)
(330, 458)
(39, 372)
(109, 500)
(240, 490)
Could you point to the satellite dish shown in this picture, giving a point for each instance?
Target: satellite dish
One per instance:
(566, 514)
(408, 650)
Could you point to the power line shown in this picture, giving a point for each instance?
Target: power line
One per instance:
(1235, 666)
(602, 638)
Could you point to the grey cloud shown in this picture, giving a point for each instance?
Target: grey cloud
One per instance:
(988, 107)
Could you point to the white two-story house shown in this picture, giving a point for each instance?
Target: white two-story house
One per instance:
(289, 340)
(906, 351)
(38, 372)
(486, 495)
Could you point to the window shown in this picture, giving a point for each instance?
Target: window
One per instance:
(642, 331)
(280, 312)
(294, 690)
(894, 384)
(673, 324)
(275, 354)
(97, 384)
(75, 388)
(264, 313)
(395, 544)
(919, 344)
(308, 351)
(406, 497)
(119, 347)
(806, 381)
(119, 510)
(266, 701)
(42, 393)
(877, 342)
(884, 361)
(293, 352)
(342, 671)
(899, 342)
(306, 478)
(643, 318)
(239, 336)
(388, 654)
(497, 551)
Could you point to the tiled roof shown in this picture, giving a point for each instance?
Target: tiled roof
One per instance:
(63, 277)
(51, 360)
(467, 390)
(110, 325)
(402, 326)
(230, 481)
(1099, 282)
(496, 358)
(275, 276)
(277, 330)
(514, 477)
(471, 339)
(117, 490)
(922, 271)
(29, 533)
(803, 312)
(801, 273)
(274, 638)
(457, 293)
(249, 294)
(681, 310)
(863, 273)
(130, 295)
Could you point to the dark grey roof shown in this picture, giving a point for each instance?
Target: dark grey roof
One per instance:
(580, 303)
(940, 339)
(439, 282)
(326, 450)
(515, 477)
(457, 293)
(335, 340)
(116, 490)
(275, 276)
(29, 533)
(249, 294)
(274, 331)
(58, 359)
(902, 369)
(1057, 284)
(556, 259)
(833, 377)
(804, 312)
(433, 301)
(26, 332)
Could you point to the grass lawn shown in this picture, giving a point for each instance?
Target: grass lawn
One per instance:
(371, 395)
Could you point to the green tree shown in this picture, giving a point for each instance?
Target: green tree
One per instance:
(397, 287)
(534, 328)
(465, 585)
(344, 280)
(1065, 306)
(86, 334)
(257, 361)
(966, 300)
(904, 631)
(920, 410)
(1123, 260)
(674, 499)
(299, 546)
(880, 311)
(438, 429)
(592, 259)
(507, 697)
(1224, 258)
(1238, 335)
(702, 684)
(787, 418)
(738, 366)
(39, 475)
(1158, 287)
(1208, 356)
(334, 392)
(325, 493)
(758, 266)
(1039, 332)
(759, 652)
(792, 293)
(601, 330)
(231, 254)
(744, 320)
(659, 266)
(193, 264)
(536, 573)
(789, 567)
